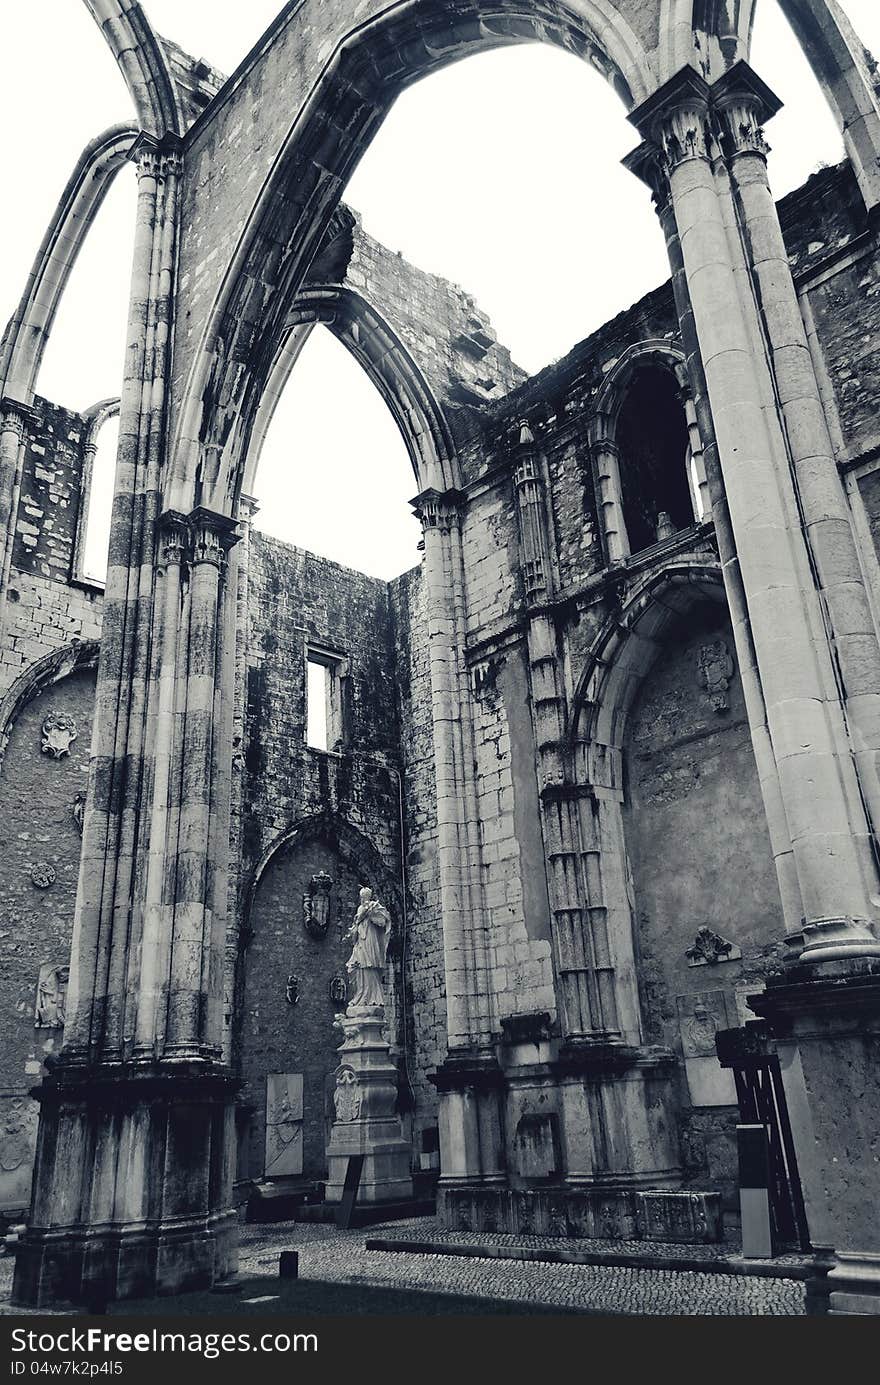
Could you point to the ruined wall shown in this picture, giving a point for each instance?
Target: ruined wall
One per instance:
(40, 791)
(45, 608)
(345, 803)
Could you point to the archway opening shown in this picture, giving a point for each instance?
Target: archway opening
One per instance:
(653, 443)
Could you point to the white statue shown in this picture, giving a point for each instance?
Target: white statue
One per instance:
(370, 930)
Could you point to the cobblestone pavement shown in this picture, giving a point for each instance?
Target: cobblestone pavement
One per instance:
(325, 1253)
(329, 1255)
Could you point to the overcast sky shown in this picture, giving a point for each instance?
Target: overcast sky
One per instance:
(501, 173)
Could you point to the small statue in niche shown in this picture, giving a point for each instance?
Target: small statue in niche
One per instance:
(58, 732)
(369, 932)
(338, 990)
(715, 667)
(51, 997)
(291, 989)
(79, 811)
(316, 905)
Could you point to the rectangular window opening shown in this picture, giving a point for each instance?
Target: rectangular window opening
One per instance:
(326, 685)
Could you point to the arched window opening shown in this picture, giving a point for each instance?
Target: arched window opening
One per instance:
(653, 444)
(96, 497)
(334, 475)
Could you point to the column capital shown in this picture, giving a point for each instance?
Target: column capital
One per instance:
(742, 104)
(16, 414)
(675, 119)
(439, 509)
(173, 538)
(157, 158)
(212, 535)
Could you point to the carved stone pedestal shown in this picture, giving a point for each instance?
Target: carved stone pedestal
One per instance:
(366, 1121)
(826, 1021)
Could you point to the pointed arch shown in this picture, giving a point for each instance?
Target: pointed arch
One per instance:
(60, 663)
(142, 61)
(367, 335)
(621, 657)
(25, 338)
(363, 72)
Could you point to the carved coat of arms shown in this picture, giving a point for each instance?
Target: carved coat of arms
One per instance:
(715, 666)
(58, 732)
(316, 905)
(347, 1097)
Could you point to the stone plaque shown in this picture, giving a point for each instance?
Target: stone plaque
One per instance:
(284, 1118)
(18, 1137)
(699, 1018)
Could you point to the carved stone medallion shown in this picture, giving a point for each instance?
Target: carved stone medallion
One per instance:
(43, 874)
(59, 732)
(316, 905)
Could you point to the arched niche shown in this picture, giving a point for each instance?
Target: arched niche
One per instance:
(299, 903)
(647, 451)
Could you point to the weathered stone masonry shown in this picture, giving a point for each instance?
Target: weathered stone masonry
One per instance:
(631, 672)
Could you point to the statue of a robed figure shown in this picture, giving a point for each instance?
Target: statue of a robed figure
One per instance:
(365, 1097)
(369, 933)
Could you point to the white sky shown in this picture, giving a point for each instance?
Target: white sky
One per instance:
(502, 173)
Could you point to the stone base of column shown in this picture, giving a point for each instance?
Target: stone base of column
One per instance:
(470, 1086)
(826, 1021)
(366, 1119)
(132, 1191)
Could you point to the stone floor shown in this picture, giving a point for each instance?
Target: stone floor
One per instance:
(332, 1259)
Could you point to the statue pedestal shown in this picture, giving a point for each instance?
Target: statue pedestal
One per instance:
(366, 1122)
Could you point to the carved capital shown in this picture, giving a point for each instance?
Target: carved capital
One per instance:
(675, 120)
(742, 103)
(17, 417)
(439, 509)
(159, 159)
(173, 538)
(212, 536)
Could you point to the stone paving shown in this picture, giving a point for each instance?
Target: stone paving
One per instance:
(340, 1257)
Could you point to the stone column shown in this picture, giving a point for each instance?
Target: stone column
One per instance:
(469, 1080)
(742, 103)
(606, 461)
(132, 1191)
(823, 812)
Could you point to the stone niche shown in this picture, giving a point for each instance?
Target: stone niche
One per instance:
(704, 892)
(294, 985)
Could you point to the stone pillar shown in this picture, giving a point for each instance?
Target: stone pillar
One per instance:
(465, 950)
(606, 463)
(773, 482)
(823, 812)
(826, 1022)
(137, 1105)
(742, 103)
(366, 1119)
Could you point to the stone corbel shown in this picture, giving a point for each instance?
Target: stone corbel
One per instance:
(157, 158)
